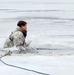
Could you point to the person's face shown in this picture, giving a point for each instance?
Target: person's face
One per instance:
(24, 28)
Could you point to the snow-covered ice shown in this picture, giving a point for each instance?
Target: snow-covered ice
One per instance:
(50, 25)
(53, 65)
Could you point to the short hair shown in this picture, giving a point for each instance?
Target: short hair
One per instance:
(21, 23)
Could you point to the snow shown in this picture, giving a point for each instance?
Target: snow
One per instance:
(53, 65)
(50, 25)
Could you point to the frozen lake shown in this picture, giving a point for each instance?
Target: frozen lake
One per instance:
(50, 25)
(52, 21)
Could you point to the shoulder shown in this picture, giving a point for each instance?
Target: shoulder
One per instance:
(17, 33)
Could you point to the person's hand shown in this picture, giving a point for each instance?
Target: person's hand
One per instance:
(8, 53)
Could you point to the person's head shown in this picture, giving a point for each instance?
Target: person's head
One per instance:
(22, 25)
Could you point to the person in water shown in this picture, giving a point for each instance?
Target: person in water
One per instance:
(17, 38)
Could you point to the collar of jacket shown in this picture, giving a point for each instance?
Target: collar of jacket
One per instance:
(19, 29)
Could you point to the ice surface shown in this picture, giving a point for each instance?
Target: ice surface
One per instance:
(62, 65)
(50, 25)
